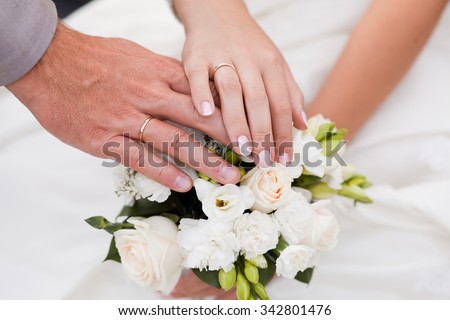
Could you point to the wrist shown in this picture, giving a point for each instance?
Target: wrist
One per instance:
(40, 80)
(194, 13)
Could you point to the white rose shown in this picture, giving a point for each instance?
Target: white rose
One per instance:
(208, 244)
(314, 124)
(324, 230)
(257, 233)
(271, 187)
(308, 152)
(294, 218)
(150, 254)
(224, 203)
(294, 259)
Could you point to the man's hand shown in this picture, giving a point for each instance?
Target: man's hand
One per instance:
(93, 92)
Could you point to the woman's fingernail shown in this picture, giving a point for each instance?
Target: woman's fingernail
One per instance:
(305, 119)
(229, 173)
(244, 145)
(165, 296)
(183, 182)
(264, 159)
(207, 109)
(284, 159)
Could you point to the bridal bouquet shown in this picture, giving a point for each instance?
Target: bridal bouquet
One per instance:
(274, 221)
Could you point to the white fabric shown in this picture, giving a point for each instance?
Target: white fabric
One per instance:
(397, 247)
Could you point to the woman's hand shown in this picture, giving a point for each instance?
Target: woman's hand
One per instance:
(96, 93)
(259, 98)
(190, 286)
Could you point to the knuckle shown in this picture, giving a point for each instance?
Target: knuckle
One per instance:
(230, 85)
(194, 70)
(258, 97)
(144, 91)
(281, 108)
(272, 57)
(261, 134)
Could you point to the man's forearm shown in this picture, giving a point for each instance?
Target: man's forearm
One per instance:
(26, 29)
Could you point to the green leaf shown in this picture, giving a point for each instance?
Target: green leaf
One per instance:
(146, 208)
(265, 275)
(98, 222)
(113, 227)
(208, 277)
(305, 276)
(113, 253)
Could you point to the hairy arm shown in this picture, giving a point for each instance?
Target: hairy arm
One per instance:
(379, 53)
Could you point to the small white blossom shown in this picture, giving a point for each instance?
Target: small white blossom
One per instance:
(132, 186)
(225, 203)
(257, 233)
(208, 244)
(294, 259)
(294, 218)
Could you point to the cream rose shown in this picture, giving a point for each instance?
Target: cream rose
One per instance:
(224, 203)
(271, 187)
(324, 229)
(150, 253)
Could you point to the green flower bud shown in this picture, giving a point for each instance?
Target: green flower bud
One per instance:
(231, 157)
(259, 261)
(251, 297)
(242, 287)
(323, 130)
(356, 180)
(206, 178)
(242, 171)
(251, 272)
(227, 279)
(354, 192)
(260, 291)
(322, 191)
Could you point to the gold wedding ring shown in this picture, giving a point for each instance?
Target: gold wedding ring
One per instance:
(220, 65)
(141, 131)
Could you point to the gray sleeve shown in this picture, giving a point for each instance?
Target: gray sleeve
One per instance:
(26, 29)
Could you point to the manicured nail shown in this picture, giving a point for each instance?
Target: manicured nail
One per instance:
(207, 109)
(244, 145)
(165, 296)
(284, 159)
(229, 173)
(264, 159)
(305, 119)
(183, 182)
